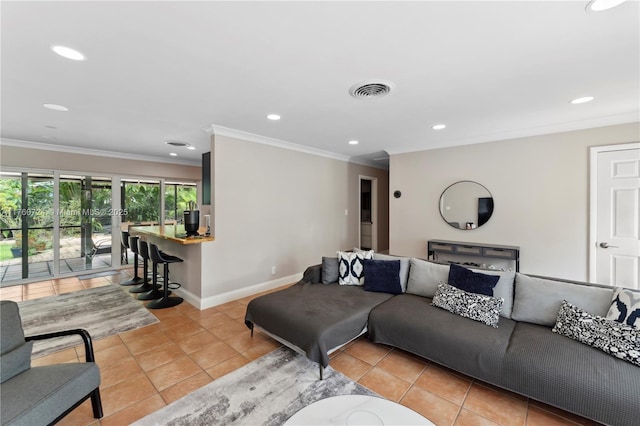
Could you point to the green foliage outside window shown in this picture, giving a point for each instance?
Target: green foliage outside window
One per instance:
(142, 202)
(176, 200)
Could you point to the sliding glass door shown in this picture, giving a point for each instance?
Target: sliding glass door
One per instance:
(56, 224)
(86, 219)
(10, 226)
(26, 221)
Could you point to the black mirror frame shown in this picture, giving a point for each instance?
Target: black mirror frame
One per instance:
(491, 205)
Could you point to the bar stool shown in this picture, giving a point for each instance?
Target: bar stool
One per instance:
(143, 251)
(157, 257)
(124, 247)
(153, 292)
(133, 245)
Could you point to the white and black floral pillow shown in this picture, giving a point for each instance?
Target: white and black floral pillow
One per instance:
(478, 307)
(612, 337)
(351, 267)
(625, 307)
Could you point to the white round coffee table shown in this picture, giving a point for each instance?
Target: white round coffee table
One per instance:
(353, 410)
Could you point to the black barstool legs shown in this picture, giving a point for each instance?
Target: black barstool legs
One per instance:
(165, 301)
(143, 251)
(154, 293)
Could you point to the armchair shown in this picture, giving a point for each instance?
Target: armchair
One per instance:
(41, 395)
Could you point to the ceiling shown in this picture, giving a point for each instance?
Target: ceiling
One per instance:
(161, 70)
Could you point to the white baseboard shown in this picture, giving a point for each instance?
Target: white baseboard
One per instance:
(219, 299)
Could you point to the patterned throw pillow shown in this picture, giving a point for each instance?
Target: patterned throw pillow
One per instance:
(351, 267)
(612, 337)
(625, 307)
(478, 307)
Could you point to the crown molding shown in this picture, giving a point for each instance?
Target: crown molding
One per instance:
(360, 161)
(96, 152)
(214, 130)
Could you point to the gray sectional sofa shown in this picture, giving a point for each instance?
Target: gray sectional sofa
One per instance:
(522, 354)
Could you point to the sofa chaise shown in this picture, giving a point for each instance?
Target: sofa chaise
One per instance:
(325, 316)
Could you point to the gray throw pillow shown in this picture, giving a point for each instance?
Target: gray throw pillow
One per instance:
(424, 277)
(404, 267)
(503, 289)
(538, 300)
(329, 270)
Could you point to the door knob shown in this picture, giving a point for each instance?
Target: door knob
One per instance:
(606, 245)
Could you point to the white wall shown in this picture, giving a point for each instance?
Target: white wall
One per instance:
(540, 187)
(278, 207)
(271, 207)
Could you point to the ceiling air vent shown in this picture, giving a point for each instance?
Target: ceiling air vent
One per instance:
(370, 89)
(176, 143)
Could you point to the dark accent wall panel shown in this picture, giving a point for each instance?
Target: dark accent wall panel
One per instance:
(206, 178)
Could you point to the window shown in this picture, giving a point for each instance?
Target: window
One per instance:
(141, 201)
(177, 197)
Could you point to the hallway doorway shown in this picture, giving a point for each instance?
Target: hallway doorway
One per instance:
(368, 238)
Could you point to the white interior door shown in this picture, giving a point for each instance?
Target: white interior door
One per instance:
(615, 215)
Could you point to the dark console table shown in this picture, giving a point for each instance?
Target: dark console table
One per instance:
(491, 251)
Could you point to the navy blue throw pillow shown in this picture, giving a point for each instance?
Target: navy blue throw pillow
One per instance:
(473, 282)
(382, 276)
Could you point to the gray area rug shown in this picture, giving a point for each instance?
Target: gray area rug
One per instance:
(102, 311)
(266, 391)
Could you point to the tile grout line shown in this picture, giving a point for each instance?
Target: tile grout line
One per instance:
(144, 372)
(466, 394)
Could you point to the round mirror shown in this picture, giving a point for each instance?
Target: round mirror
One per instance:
(466, 205)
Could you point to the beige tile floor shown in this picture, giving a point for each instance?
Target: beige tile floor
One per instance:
(143, 370)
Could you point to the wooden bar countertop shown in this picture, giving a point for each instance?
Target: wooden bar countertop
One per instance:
(175, 233)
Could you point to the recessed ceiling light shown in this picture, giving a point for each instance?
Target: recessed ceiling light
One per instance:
(69, 53)
(173, 154)
(273, 117)
(353, 142)
(56, 107)
(582, 100)
(600, 5)
(438, 126)
(191, 147)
